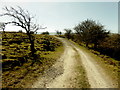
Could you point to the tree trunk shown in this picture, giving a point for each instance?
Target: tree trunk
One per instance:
(32, 48)
(87, 44)
(95, 46)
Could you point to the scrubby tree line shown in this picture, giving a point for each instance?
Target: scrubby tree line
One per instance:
(95, 36)
(45, 33)
(58, 32)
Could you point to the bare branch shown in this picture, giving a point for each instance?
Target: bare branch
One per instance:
(21, 17)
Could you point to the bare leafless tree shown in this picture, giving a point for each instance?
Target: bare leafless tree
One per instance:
(2, 26)
(22, 18)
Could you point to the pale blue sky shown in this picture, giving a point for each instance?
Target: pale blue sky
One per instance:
(61, 15)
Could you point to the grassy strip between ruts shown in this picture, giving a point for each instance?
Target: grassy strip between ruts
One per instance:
(103, 61)
(24, 76)
(82, 81)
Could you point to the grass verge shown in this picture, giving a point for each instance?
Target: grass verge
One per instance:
(24, 76)
(110, 65)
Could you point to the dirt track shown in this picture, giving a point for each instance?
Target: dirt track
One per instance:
(63, 73)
